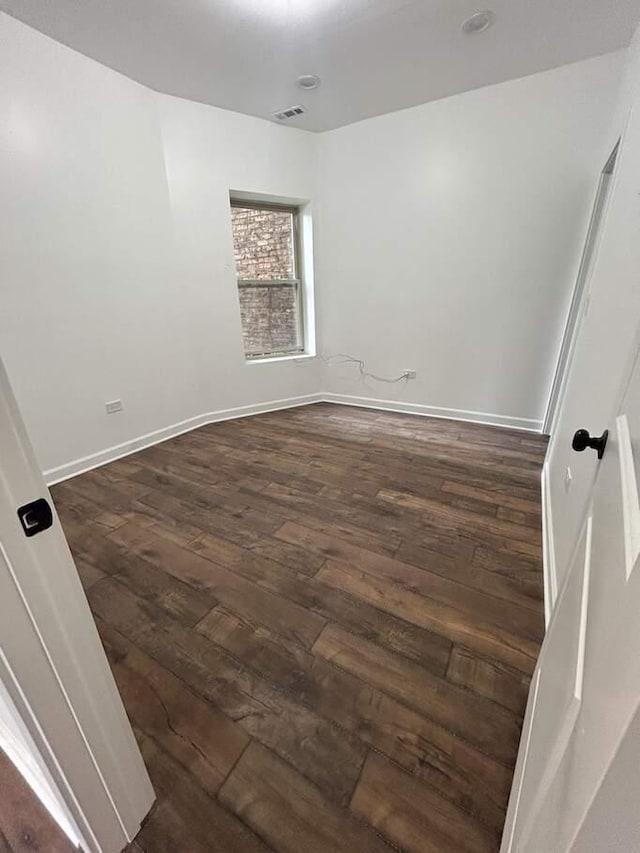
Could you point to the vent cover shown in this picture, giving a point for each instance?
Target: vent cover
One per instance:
(289, 112)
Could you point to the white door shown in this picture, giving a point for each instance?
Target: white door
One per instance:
(576, 788)
(586, 689)
(56, 682)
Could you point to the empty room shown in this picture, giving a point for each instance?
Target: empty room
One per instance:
(319, 426)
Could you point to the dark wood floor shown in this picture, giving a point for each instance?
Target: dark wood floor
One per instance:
(323, 623)
(25, 824)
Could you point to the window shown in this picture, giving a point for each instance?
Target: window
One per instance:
(266, 246)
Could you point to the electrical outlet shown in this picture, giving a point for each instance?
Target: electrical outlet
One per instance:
(410, 374)
(113, 407)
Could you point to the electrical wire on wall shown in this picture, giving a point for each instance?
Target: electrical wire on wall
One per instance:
(342, 358)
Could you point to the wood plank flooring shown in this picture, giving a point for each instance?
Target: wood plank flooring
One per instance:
(25, 824)
(323, 623)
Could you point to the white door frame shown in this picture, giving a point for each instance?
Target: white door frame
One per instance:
(53, 666)
(580, 290)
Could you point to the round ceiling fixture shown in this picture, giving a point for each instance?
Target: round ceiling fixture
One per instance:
(478, 23)
(308, 82)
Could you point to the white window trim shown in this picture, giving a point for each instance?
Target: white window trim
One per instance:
(270, 359)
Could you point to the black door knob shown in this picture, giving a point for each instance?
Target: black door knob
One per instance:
(582, 440)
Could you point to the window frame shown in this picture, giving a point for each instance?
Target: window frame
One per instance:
(297, 283)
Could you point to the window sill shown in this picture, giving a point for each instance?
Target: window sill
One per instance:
(275, 358)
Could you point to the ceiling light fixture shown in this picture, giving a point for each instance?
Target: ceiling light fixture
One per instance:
(308, 82)
(478, 23)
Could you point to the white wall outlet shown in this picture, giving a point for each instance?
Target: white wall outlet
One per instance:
(113, 406)
(410, 374)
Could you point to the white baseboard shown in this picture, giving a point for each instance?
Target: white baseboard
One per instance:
(110, 454)
(550, 578)
(488, 418)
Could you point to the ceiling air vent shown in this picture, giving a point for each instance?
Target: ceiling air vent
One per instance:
(289, 112)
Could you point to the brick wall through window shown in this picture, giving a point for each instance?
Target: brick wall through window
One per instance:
(264, 250)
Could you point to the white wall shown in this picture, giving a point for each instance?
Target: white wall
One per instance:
(208, 153)
(449, 236)
(605, 337)
(118, 282)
